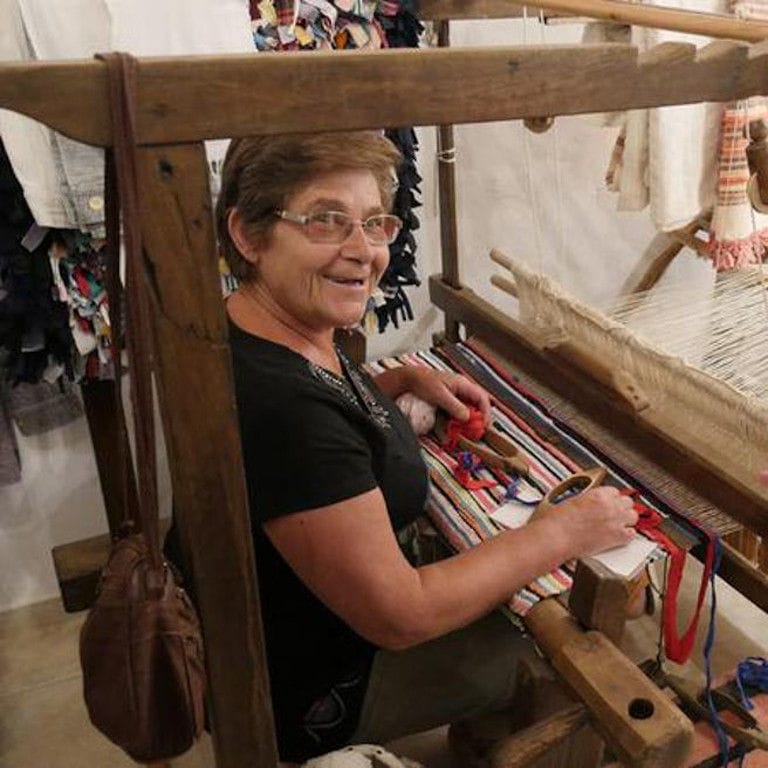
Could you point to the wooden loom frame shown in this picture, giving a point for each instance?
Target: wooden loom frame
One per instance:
(184, 100)
(736, 568)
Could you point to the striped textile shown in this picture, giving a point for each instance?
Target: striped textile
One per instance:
(735, 239)
(461, 516)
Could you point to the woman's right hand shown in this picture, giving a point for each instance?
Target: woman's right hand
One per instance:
(595, 520)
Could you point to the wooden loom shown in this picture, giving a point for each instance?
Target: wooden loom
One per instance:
(182, 101)
(746, 556)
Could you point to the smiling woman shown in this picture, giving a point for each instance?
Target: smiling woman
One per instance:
(335, 477)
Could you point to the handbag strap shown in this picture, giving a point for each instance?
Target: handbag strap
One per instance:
(122, 197)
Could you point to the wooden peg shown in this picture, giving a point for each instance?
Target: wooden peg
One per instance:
(538, 124)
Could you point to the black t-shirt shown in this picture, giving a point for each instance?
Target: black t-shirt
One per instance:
(311, 439)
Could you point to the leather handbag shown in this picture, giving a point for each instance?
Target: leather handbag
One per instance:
(141, 648)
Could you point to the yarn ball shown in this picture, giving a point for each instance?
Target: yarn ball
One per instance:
(420, 415)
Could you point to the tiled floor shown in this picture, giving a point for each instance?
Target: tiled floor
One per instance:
(43, 722)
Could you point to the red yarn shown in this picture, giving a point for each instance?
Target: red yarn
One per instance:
(473, 428)
(466, 462)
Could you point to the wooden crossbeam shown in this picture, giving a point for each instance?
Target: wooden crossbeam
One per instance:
(248, 94)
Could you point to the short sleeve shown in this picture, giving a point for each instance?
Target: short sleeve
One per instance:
(305, 455)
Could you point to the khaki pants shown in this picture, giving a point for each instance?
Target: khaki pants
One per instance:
(466, 673)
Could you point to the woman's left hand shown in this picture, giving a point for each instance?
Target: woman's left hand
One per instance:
(450, 391)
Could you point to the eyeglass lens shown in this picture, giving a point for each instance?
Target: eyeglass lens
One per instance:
(335, 226)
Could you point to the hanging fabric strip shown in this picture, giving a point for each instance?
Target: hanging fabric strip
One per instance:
(678, 648)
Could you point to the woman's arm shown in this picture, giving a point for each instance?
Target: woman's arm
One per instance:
(449, 391)
(347, 554)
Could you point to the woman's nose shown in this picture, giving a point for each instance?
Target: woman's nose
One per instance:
(357, 244)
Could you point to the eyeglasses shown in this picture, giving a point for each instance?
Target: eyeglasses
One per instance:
(336, 227)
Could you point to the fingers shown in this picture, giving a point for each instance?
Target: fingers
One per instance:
(616, 504)
(451, 404)
(471, 393)
(764, 477)
(450, 391)
(601, 518)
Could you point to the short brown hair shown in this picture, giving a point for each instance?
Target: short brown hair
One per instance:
(261, 173)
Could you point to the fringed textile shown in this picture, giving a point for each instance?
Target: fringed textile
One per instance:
(734, 240)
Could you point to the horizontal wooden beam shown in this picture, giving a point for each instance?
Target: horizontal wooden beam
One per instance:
(201, 97)
(69, 96)
(651, 432)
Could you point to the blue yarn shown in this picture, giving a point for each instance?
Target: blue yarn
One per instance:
(753, 671)
(709, 642)
(467, 460)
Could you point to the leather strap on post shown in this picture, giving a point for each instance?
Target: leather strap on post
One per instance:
(122, 196)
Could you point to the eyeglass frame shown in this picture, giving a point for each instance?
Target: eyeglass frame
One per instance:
(304, 219)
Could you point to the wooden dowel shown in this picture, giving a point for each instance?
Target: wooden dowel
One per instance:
(699, 247)
(708, 24)
(499, 258)
(656, 269)
(575, 11)
(508, 286)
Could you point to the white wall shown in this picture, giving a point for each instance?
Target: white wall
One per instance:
(538, 197)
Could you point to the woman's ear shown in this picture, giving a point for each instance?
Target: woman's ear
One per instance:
(239, 235)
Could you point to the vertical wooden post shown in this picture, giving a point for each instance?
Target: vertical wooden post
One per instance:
(105, 427)
(446, 180)
(194, 378)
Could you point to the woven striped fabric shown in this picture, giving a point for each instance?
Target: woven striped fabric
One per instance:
(735, 241)
(462, 516)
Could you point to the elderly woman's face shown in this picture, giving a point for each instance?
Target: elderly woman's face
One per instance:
(324, 285)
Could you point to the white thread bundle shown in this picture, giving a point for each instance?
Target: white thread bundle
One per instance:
(722, 332)
(711, 417)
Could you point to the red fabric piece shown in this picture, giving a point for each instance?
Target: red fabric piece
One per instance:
(678, 648)
(82, 283)
(473, 428)
(466, 462)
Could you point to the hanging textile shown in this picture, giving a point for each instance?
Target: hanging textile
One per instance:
(664, 158)
(291, 25)
(738, 235)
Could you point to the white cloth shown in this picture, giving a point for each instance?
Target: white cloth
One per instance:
(149, 28)
(670, 154)
(72, 29)
(31, 146)
(63, 179)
